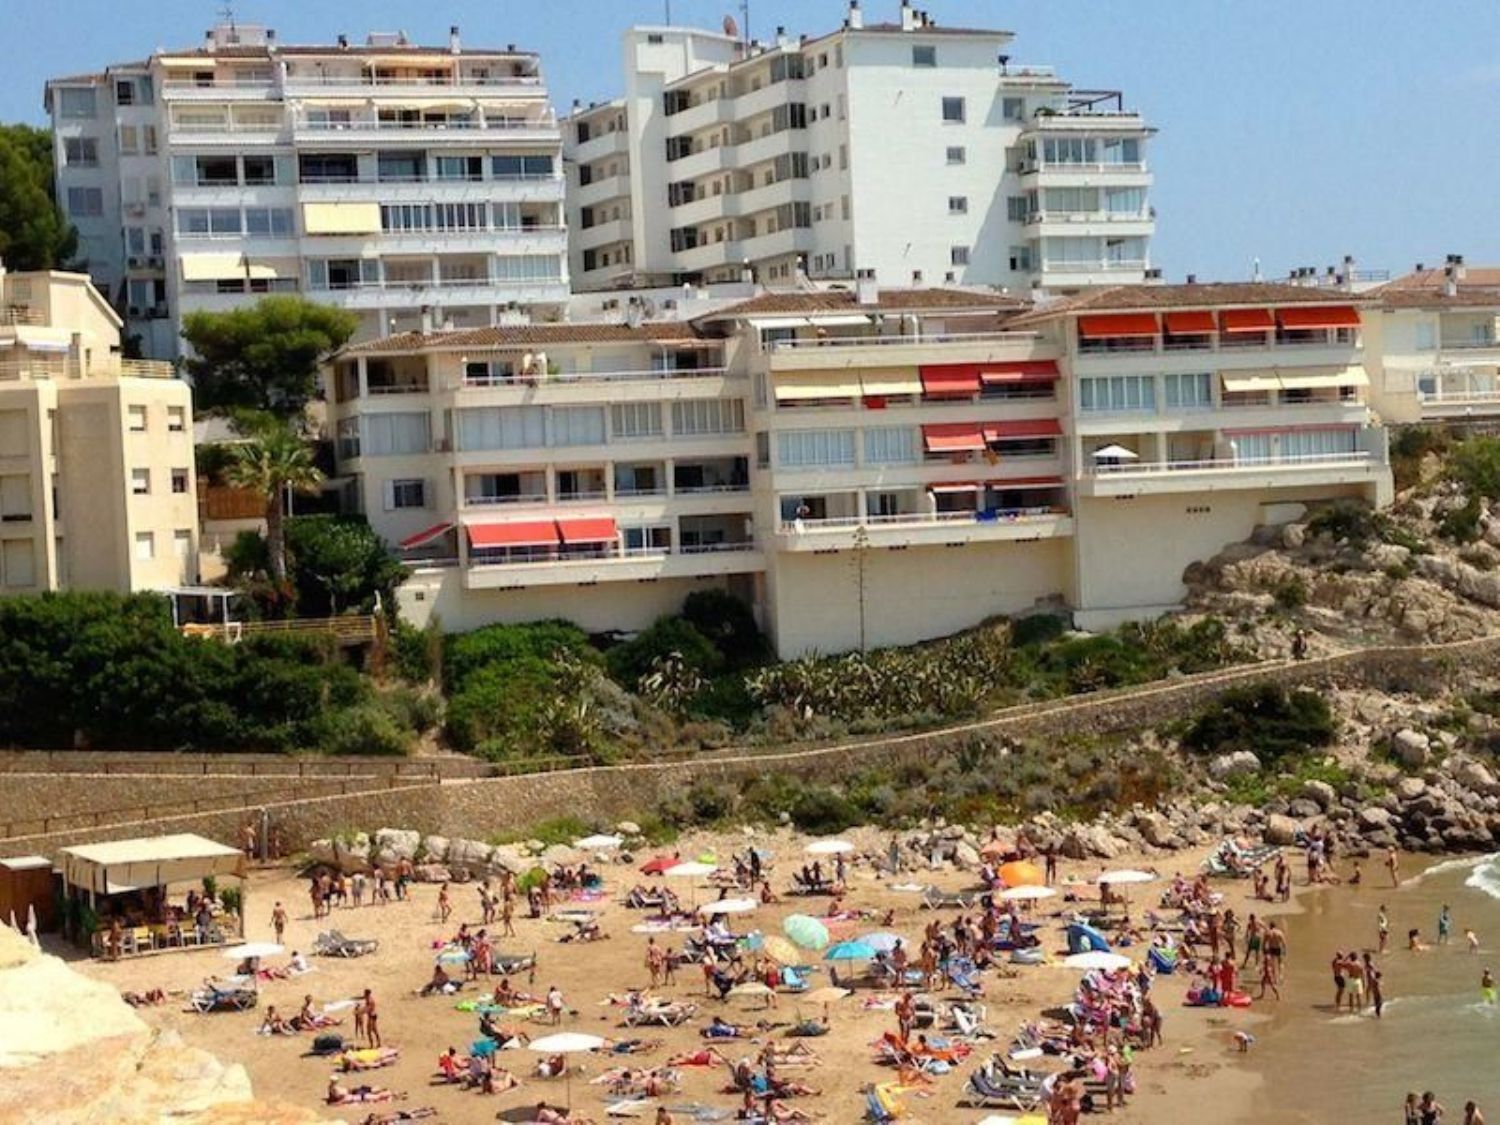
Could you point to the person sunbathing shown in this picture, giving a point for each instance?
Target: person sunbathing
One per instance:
(721, 1029)
(703, 1056)
(502, 1033)
(398, 1116)
(552, 1066)
(545, 1114)
(497, 1080)
(440, 982)
(309, 1020)
(451, 1067)
(339, 1094)
(144, 999)
(628, 1046)
(273, 1024)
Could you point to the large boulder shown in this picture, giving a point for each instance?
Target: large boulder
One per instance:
(1242, 763)
(1281, 830)
(1085, 841)
(471, 854)
(323, 852)
(507, 856)
(1320, 793)
(966, 856)
(1411, 748)
(628, 828)
(1373, 818)
(1475, 776)
(1409, 789)
(354, 852)
(434, 849)
(395, 844)
(1155, 829)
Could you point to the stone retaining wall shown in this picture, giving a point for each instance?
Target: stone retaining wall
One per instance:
(481, 808)
(251, 765)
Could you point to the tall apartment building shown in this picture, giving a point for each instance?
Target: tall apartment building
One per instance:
(917, 151)
(409, 184)
(866, 467)
(97, 486)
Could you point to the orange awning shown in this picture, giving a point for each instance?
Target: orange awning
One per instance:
(1193, 323)
(422, 538)
(1319, 316)
(1018, 372)
(1117, 326)
(1017, 430)
(599, 529)
(951, 380)
(1246, 320)
(954, 437)
(519, 533)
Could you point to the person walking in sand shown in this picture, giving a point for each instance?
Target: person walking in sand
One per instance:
(1472, 939)
(372, 1019)
(278, 921)
(508, 916)
(444, 905)
(1275, 952)
(555, 1005)
(1487, 986)
(1338, 980)
(653, 961)
(1393, 865)
(1268, 978)
(1430, 1111)
(1372, 986)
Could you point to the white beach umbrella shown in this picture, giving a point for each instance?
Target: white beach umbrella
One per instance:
(1116, 453)
(1096, 960)
(1111, 878)
(829, 847)
(691, 869)
(567, 1043)
(1025, 894)
(599, 843)
(728, 906)
(254, 950)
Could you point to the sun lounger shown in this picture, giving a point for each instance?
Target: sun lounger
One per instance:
(934, 899)
(801, 886)
(989, 1091)
(665, 1014)
(223, 1000)
(508, 963)
(335, 944)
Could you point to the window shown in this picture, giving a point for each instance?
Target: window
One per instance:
(460, 167)
(1121, 150)
(1118, 393)
(217, 171)
(275, 222)
(924, 56)
(140, 482)
(260, 169)
(958, 255)
(180, 480)
(76, 103)
(521, 167)
(394, 434)
(85, 202)
(409, 493)
(1013, 109)
(891, 445)
(182, 543)
(148, 139)
(1426, 336)
(958, 205)
(1069, 150)
(1071, 201)
(578, 425)
(635, 419)
(527, 267)
(1189, 392)
(956, 154)
(224, 220)
(129, 140)
(1017, 208)
(1311, 444)
(136, 417)
(1125, 201)
(82, 152)
(145, 546)
(17, 562)
(502, 427)
(814, 448)
(124, 92)
(647, 540)
(953, 110)
(15, 498)
(695, 416)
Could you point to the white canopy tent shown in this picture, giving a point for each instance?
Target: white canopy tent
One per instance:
(155, 861)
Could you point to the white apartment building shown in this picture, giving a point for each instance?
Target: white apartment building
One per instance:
(97, 489)
(866, 468)
(409, 184)
(915, 151)
(1435, 338)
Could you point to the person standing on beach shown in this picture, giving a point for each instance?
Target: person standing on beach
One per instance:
(1445, 925)
(444, 907)
(1268, 977)
(1254, 930)
(1383, 924)
(1393, 865)
(1231, 929)
(555, 1005)
(1487, 986)
(1430, 1111)
(372, 1019)
(1338, 980)
(1372, 986)
(1275, 952)
(1472, 1116)
(278, 921)
(653, 961)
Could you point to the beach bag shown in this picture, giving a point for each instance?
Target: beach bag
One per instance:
(328, 1044)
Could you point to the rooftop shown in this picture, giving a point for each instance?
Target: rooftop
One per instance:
(1479, 286)
(525, 335)
(1151, 298)
(887, 300)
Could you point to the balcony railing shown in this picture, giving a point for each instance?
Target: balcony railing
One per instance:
(22, 315)
(367, 80)
(917, 340)
(1232, 341)
(517, 124)
(1038, 217)
(1033, 167)
(418, 388)
(603, 553)
(709, 489)
(495, 501)
(332, 178)
(1467, 343)
(1438, 397)
(565, 377)
(1098, 266)
(923, 519)
(1242, 464)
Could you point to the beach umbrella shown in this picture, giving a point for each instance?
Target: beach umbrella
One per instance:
(825, 995)
(829, 847)
(691, 869)
(1116, 453)
(453, 955)
(780, 950)
(1097, 960)
(849, 951)
(806, 931)
(656, 865)
(728, 906)
(599, 843)
(754, 988)
(881, 943)
(567, 1043)
(1005, 1119)
(254, 950)
(1025, 893)
(1112, 878)
(1020, 873)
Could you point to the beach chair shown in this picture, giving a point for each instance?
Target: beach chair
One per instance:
(509, 963)
(206, 1000)
(988, 1090)
(794, 979)
(673, 1013)
(801, 886)
(335, 944)
(881, 1105)
(935, 899)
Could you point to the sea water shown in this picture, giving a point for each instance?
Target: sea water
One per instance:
(1437, 1033)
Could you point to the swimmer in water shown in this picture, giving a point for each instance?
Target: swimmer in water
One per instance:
(1445, 925)
(1414, 942)
(1487, 986)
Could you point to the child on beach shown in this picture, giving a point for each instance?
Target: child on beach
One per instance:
(1473, 940)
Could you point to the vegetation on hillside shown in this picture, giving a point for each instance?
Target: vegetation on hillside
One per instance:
(34, 235)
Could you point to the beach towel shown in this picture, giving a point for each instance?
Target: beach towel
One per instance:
(1086, 939)
(1162, 960)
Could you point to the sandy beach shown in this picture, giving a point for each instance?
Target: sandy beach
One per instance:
(1197, 1075)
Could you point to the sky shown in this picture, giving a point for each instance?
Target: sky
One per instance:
(1292, 132)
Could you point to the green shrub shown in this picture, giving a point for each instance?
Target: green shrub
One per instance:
(821, 810)
(367, 729)
(416, 654)
(1037, 629)
(728, 624)
(1346, 519)
(1475, 464)
(1265, 719)
(467, 653)
(1461, 525)
(1409, 445)
(1290, 592)
(631, 661)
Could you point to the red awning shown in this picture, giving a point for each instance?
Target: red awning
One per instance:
(1017, 430)
(1027, 482)
(599, 529)
(1193, 323)
(954, 437)
(1117, 326)
(519, 533)
(1319, 316)
(1246, 320)
(422, 538)
(951, 380)
(1019, 372)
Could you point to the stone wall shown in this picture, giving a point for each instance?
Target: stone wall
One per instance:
(483, 807)
(252, 765)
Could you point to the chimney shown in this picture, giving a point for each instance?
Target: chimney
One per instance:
(209, 42)
(1460, 271)
(455, 45)
(916, 277)
(866, 291)
(908, 16)
(1348, 276)
(270, 35)
(344, 42)
(426, 320)
(782, 39)
(1192, 279)
(1420, 267)
(856, 17)
(1450, 281)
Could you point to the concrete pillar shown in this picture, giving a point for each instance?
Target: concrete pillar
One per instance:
(361, 364)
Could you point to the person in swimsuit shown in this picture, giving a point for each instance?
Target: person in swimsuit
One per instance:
(1253, 931)
(1372, 986)
(1411, 1113)
(1487, 986)
(1430, 1111)
(1356, 983)
(1445, 925)
(1393, 865)
(1275, 952)
(1383, 924)
(1338, 980)
(1472, 1116)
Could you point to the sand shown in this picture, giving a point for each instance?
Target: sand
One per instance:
(1196, 1076)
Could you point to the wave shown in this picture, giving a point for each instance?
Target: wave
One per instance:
(1453, 865)
(1486, 877)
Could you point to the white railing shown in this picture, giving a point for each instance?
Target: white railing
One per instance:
(921, 519)
(579, 497)
(399, 389)
(1295, 461)
(608, 553)
(218, 83)
(1121, 264)
(1033, 167)
(364, 80)
(1215, 342)
(434, 181)
(906, 341)
(1467, 344)
(709, 489)
(491, 501)
(1439, 397)
(498, 124)
(563, 377)
(636, 493)
(1089, 217)
(437, 283)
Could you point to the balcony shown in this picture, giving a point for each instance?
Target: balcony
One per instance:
(614, 563)
(474, 85)
(875, 350)
(601, 190)
(924, 529)
(614, 142)
(448, 291)
(358, 189)
(704, 115)
(1148, 478)
(219, 89)
(341, 134)
(603, 234)
(1064, 224)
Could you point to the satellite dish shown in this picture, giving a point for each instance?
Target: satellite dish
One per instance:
(731, 28)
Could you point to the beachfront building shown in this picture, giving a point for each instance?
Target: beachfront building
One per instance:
(97, 486)
(915, 151)
(1200, 412)
(598, 472)
(408, 184)
(1434, 339)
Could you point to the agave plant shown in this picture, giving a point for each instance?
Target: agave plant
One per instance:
(672, 683)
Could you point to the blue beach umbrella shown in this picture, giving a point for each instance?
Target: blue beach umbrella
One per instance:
(849, 951)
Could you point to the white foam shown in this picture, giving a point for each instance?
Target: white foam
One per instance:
(1485, 877)
(1450, 865)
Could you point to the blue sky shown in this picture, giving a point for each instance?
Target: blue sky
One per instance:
(1293, 131)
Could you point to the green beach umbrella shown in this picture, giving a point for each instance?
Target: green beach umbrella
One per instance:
(806, 931)
(532, 878)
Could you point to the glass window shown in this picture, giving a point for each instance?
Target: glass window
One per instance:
(394, 434)
(953, 110)
(192, 220)
(692, 417)
(176, 419)
(923, 56)
(1426, 336)
(1072, 201)
(274, 222)
(408, 494)
(578, 425)
(84, 151)
(214, 170)
(85, 202)
(182, 543)
(1125, 201)
(956, 154)
(958, 205)
(1117, 393)
(1013, 109)
(145, 546)
(635, 419)
(1069, 150)
(136, 419)
(224, 220)
(77, 103)
(1017, 208)
(1189, 392)
(180, 481)
(400, 167)
(1121, 150)
(813, 448)
(891, 445)
(958, 255)
(1312, 444)
(527, 267)
(140, 482)
(260, 169)
(520, 167)
(497, 427)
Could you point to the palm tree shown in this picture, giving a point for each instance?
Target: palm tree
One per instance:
(274, 462)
